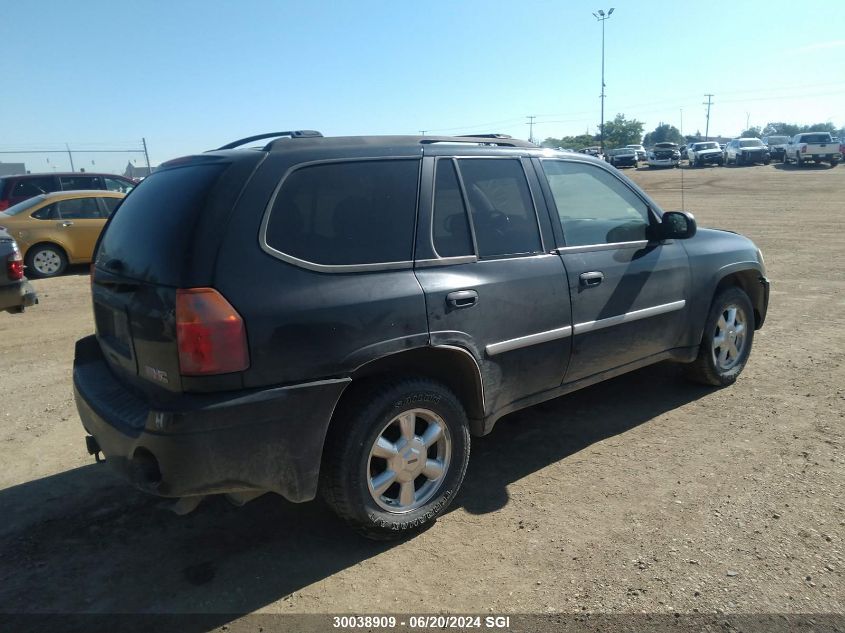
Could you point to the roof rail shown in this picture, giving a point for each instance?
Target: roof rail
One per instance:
(486, 139)
(485, 136)
(258, 137)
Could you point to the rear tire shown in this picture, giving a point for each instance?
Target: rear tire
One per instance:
(45, 260)
(727, 340)
(395, 458)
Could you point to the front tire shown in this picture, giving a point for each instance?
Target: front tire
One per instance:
(395, 457)
(45, 260)
(728, 337)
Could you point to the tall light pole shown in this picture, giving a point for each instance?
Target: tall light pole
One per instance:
(602, 17)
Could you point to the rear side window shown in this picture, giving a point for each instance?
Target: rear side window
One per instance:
(451, 227)
(347, 213)
(28, 187)
(149, 237)
(502, 209)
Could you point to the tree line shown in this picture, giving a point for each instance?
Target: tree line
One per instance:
(621, 132)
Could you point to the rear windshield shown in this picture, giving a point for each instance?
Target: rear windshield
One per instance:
(150, 234)
(756, 142)
(816, 138)
(778, 139)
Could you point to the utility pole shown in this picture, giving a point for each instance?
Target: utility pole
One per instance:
(70, 156)
(708, 104)
(422, 132)
(531, 128)
(747, 120)
(602, 17)
(146, 156)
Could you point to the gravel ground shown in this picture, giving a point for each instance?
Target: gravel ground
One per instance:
(641, 494)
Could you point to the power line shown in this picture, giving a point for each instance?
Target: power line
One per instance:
(531, 128)
(708, 104)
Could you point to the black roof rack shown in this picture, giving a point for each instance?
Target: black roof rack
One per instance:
(485, 136)
(503, 140)
(258, 137)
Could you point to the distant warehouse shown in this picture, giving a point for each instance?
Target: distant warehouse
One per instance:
(12, 169)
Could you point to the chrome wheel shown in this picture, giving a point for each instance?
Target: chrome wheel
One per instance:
(409, 460)
(46, 262)
(729, 337)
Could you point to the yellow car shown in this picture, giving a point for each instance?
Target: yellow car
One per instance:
(57, 229)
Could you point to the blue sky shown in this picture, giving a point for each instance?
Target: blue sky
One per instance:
(191, 75)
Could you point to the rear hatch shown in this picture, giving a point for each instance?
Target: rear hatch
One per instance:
(164, 236)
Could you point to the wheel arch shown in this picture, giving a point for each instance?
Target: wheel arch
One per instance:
(749, 281)
(454, 366)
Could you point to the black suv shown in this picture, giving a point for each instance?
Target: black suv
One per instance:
(339, 315)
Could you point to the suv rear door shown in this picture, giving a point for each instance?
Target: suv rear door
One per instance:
(628, 292)
(491, 287)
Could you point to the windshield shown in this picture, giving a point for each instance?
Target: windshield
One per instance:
(20, 207)
(778, 139)
(700, 146)
(754, 142)
(665, 146)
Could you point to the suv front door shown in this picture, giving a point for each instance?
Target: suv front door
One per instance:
(491, 287)
(628, 292)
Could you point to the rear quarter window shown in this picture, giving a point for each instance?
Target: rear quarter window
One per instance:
(346, 213)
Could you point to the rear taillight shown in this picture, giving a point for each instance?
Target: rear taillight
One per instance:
(210, 334)
(803, 149)
(14, 266)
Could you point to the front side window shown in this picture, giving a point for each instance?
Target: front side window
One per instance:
(595, 207)
(113, 184)
(502, 210)
(347, 213)
(79, 209)
(111, 204)
(451, 226)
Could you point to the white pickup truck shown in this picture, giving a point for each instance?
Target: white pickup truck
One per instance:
(816, 147)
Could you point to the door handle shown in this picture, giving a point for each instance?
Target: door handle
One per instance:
(590, 280)
(462, 298)
(66, 223)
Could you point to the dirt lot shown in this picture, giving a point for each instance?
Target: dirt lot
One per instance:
(644, 493)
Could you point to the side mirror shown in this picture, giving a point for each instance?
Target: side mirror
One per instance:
(677, 225)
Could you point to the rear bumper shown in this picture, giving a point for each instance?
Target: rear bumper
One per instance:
(17, 295)
(269, 439)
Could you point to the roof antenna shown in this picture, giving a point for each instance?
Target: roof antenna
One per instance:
(683, 205)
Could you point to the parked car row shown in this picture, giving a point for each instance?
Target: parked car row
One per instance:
(56, 229)
(20, 187)
(807, 147)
